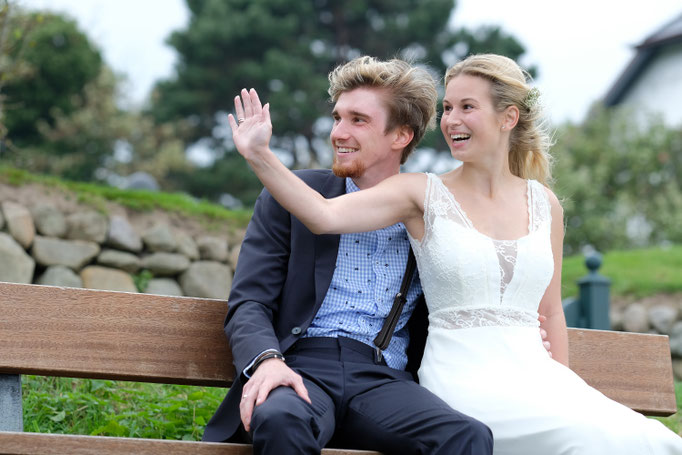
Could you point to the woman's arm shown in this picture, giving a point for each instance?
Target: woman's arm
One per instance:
(382, 205)
(551, 305)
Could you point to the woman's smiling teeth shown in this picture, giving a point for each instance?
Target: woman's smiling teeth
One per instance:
(460, 137)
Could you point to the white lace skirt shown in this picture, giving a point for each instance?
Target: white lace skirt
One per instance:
(504, 377)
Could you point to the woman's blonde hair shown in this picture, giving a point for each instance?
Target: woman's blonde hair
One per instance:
(411, 94)
(530, 140)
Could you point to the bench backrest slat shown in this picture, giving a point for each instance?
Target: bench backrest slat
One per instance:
(54, 331)
(71, 332)
(634, 369)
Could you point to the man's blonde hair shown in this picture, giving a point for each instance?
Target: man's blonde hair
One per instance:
(410, 93)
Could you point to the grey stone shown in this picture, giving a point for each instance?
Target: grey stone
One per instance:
(676, 330)
(677, 369)
(122, 235)
(159, 238)
(662, 318)
(19, 223)
(119, 260)
(49, 220)
(186, 245)
(635, 319)
(164, 286)
(71, 253)
(96, 277)
(616, 318)
(88, 225)
(59, 275)
(16, 266)
(207, 279)
(234, 256)
(141, 181)
(212, 248)
(676, 339)
(165, 264)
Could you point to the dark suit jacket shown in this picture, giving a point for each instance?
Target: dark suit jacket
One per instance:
(282, 277)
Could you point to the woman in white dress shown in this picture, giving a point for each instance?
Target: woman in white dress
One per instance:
(488, 241)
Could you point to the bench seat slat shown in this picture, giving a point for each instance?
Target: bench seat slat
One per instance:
(12, 443)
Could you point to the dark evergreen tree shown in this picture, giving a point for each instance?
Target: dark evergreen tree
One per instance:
(285, 48)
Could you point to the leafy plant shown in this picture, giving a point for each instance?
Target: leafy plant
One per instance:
(142, 279)
(116, 408)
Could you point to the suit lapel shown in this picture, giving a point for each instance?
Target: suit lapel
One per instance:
(327, 246)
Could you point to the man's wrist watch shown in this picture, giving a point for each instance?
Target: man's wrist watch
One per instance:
(265, 355)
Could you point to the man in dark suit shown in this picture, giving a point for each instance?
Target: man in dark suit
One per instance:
(305, 308)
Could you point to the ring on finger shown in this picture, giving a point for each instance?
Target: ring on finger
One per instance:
(244, 396)
(240, 120)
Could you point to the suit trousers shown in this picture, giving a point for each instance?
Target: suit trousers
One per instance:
(359, 402)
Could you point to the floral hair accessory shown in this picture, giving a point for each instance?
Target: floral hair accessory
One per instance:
(531, 99)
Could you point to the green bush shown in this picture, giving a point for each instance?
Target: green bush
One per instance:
(619, 182)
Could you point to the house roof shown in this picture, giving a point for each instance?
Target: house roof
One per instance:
(670, 33)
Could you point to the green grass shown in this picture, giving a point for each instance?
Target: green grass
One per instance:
(637, 273)
(96, 196)
(674, 422)
(116, 408)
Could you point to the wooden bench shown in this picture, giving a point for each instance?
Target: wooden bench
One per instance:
(68, 332)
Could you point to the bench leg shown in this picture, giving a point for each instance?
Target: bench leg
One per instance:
(11, 415)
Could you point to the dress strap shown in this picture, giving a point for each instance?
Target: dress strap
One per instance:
(427, 193)
(538, 206)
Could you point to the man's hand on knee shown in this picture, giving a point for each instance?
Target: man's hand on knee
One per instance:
(270, 374)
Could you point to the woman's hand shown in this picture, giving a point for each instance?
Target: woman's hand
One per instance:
(252, 129)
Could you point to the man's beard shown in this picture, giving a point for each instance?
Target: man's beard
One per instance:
(354, 170)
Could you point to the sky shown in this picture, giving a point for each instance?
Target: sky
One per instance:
(579, 46)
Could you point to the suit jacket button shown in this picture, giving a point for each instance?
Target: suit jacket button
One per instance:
(296, 331)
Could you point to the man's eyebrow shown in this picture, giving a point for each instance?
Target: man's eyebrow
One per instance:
(352, 113)
(359, 114)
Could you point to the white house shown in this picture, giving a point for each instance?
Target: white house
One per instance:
(652, 82)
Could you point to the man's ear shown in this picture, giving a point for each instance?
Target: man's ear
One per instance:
(403, 137)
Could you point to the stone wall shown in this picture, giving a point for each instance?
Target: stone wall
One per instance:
(659, 314)
(77, 246)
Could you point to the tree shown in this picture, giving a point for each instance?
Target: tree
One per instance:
(57, 62)
(619, 181)
(62, 115)
(12, 66)
(285, 48)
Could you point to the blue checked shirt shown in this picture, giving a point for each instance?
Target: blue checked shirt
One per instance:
(369, 271)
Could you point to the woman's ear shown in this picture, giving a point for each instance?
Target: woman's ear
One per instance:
(510, 117)
(403, 137)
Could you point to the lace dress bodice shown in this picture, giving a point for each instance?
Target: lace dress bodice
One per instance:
(472, 280)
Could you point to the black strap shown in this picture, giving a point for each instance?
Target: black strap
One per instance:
(383, 338)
